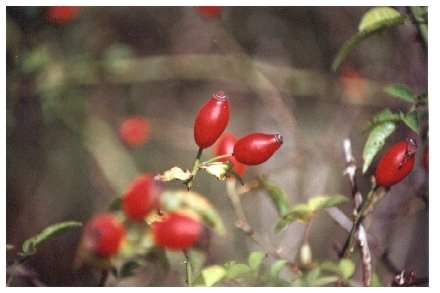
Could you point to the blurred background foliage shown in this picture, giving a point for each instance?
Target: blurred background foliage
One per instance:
(75, 76)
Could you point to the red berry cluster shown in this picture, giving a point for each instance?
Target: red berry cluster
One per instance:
(252, 149)
(104, 234)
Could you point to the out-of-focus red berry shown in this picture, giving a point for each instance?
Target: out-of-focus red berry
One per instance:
(210, 11)
(135, 131)
(426, 159)
(396, 163)
(225, 146)
(176, 231)
(62, 14)
(103, 235)
(352, 83)
(140, 198)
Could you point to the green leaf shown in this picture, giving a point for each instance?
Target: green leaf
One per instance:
(323, 202)
(128, 269)
(305, 211)
(115, 205)
(174, 173)
(299, 212)
(276, 268)
(236, 270)
(276, 194)
(411, 120)
(384, 116)
(210, 276)
(346, 268)
(178, 199)
(312, 276)
(375, 142)
(30, 246)
(322, 281)
(255, 260)
(401, 91)
(375, 20)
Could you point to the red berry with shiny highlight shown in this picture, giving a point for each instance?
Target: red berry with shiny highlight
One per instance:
(103, 235)
(211, 120)
(210, 11)
(135, 131)
(256, 148)
(176, 231)
(62, 14)
(140, 198)
(225, 146)
(396, 163)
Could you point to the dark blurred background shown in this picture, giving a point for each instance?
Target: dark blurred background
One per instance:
(73, 78)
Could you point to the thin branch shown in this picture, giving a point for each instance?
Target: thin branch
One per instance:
(350, 171)
(242, 222)
(195, 169)
(188, 269)
(103, 278)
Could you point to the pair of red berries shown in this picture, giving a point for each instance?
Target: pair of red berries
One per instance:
(397, 162)
(104, 233)
(174, 230)
(211, 121)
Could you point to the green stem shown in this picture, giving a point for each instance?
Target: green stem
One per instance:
(188, 269)
(215, 159)
(359, 217)
(195, 169)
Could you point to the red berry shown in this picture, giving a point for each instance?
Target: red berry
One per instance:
(103, 235)
(140, 198)
(62, 14)
(176, 231)
(396, 163)
(426, 159)
(135, 131)
(210, 11)
(256, 148)
(211, 120)
(225, 146)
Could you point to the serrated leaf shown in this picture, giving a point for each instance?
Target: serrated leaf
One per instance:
(276, 194)
(305, 211)
(210, 276)
(384, 116)
(174, 173)
(401, 91)
(180, 199)
(346, 268)
(375, 142)
(217, 169)
(30, 245)
(236, 270)
(255, 260)
(276, 268)
(411, 120)
(375, 20)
